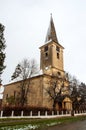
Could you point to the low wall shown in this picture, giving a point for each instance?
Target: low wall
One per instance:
(39, 115)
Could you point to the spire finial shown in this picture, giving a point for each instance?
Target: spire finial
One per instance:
(51, 14)
(51, 33)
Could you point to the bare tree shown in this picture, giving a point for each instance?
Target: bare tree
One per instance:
(57, 91)
(77, 92)
(82, 98)
(23, 72)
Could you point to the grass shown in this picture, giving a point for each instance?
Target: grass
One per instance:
(41, 123)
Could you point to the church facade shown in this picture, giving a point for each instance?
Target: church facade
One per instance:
(52, 66)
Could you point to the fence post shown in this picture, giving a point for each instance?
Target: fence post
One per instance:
(12, 114)
(22, 113)
(45, 113)
(57, 112)
(1, 113)
(52, 113)
(80, 111)
(38, 113)
(30, 113)
(66, 111)
(74, 111)
(70, 112)
(62, 112)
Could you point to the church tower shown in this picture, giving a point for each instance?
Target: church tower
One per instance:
(51, 53)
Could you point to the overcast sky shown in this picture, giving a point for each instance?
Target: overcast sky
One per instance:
(26, 23)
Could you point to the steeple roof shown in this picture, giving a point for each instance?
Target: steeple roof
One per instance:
(51, 33)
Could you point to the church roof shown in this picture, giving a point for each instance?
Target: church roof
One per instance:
(51, 33)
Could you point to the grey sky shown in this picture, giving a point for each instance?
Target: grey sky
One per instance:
(26, 23)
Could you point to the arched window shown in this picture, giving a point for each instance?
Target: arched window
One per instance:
(58, 74)
(46, 48)
(57, 55)
(57, 49)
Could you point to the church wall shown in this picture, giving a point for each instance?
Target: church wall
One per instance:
(9, 91)
(38, 95)
(47, 102)
(34, 95)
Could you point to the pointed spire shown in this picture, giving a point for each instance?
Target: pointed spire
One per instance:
(51, 33)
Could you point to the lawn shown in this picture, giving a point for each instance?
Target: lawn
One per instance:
(35, 124)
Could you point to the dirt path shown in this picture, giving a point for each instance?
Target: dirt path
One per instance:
(80, 125)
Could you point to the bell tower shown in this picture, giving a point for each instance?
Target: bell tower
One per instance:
(51, 53)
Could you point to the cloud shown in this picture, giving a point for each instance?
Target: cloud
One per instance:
(26, 23)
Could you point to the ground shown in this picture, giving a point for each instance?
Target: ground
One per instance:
(79, 125)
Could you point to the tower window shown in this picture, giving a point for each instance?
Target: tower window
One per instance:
(46, 55)
(46, 48)
(58, 73)
(57, 55)
(57, 49)
(6, 96)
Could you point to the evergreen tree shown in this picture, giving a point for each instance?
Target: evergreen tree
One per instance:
(2, 48)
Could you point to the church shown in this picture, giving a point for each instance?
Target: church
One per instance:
(52, 66)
